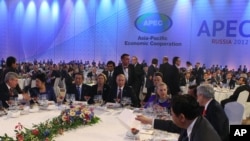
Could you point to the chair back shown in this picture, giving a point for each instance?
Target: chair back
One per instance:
(243, 96)
(33, 83)
(57, 80)
(234, 112)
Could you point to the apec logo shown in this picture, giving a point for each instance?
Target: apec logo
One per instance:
(153, 23)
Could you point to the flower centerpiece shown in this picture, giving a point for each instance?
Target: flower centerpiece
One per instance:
(71, 118)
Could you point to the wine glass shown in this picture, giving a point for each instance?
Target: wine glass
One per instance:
(72, 98)
(87, 97)
(68, 98)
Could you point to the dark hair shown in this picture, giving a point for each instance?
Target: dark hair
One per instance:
(10, 60)
(111, 62)
(79, 74)
(186, 105)
(70, 69)
(41, 77)
(194, 88)
(175, 59)
(158, 74)
(124, 55)
(154, 61)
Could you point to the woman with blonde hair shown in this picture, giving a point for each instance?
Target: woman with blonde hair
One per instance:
(101, 88)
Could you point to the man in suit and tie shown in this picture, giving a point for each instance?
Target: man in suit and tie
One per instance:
(243, 87)
(8, 88)
(176, 77)
(81, 91)
(122, 90)
(110, 73)
(229, 82)
(187, 80)
(126, 69)
(213, 111)
(139, 76)
(186, 120)
(149, 80)
(167, 70)
(198, 73)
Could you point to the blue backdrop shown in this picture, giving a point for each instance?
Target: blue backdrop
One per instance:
(208, 31)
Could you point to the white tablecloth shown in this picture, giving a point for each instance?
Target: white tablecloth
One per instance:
(110, 128)
(221, 94)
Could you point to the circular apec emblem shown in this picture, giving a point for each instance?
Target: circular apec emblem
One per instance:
(153, 23)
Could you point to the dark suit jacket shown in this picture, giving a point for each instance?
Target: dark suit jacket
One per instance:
(19, 90)
(139, 77)
(183, 81)
(235, 95)
(105, 91)
(167, 70)
(131, 74)
(198, 73)
(151, 71)
(86, 91)
(5, 94)
(175, 86)
(231, 83)
(126, 92)
(216, 116)
(110, 80)
(202, 130)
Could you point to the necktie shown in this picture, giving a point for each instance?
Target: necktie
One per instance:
(204, 112)
(79, 93)
(11, 92)
(119, 94)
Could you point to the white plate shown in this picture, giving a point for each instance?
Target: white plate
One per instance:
(34, 109)
(13, 114)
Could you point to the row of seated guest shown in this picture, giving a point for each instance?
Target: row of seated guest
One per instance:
(228, 82)
(108, 94)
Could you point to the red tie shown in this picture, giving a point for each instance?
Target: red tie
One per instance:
(204, 112)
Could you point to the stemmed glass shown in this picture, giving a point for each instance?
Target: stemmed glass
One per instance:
(72, 98)
(87, 97)
(61, 96)
(68, 98)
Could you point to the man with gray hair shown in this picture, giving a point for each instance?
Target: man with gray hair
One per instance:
(7, 88)
(213, 111)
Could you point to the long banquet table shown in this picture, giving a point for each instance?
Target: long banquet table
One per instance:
(110, 128)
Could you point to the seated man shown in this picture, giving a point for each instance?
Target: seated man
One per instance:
(243, 86)
(229, 82)
(122, 90)
(81, 91)
(186, 120)
(8, 88)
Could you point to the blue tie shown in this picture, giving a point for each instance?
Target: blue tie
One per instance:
(79, 93)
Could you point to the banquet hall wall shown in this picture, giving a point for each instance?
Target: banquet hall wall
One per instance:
(208, 31)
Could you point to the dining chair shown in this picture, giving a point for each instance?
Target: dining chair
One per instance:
(242, 99)
(234, 112)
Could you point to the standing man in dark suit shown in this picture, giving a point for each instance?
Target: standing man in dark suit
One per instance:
(126, 69)
(176, 77)
(198, 73)
(110, 73)
(81, 91)
(149, 80)
(122, 90)
(243, 87)
(213, 111)
(139, 76)
(186, 120)
(166, 70)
